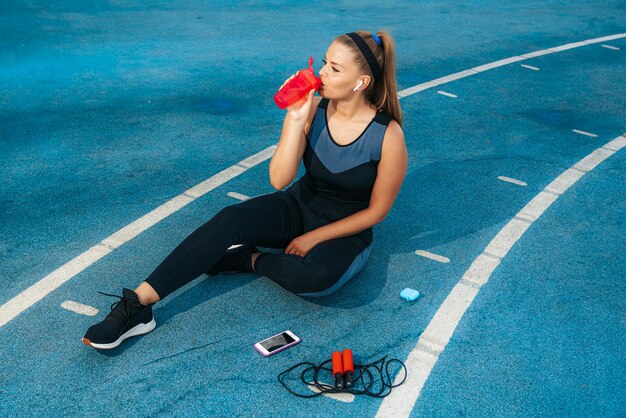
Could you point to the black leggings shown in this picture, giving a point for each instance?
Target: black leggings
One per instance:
(270, 221)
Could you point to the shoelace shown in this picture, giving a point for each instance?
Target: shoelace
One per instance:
(121, 316)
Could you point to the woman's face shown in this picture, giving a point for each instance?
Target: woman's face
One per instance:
(339, 74)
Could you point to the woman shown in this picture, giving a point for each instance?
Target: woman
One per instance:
(353, 149)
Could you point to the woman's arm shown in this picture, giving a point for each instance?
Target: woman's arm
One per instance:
(394, 161)
(288, 154)
(389, 178)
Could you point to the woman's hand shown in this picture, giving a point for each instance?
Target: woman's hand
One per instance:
(301, 109)
(302, 245)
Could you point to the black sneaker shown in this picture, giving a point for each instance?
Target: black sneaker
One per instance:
(128, 318)
(235, 260)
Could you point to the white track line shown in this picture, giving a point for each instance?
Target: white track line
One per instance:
(585, 133)
(432, 256)
(447, 94)
(342, 396)
(614, 48)
(36, 292)
(52, 281)
(510, 180)
(238, 196)
(500, 63)
(530, 67)
(437, 334)
(79, 308)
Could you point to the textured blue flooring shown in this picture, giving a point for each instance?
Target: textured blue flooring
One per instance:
(107, 111)
(543, 336)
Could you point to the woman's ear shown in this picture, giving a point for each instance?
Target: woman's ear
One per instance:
(366, 81)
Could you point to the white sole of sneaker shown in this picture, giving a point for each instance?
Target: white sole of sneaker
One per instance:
(139, 329)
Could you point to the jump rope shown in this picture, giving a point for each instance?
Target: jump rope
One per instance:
(373, 379)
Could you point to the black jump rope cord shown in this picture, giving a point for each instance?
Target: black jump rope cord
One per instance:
(360, 371)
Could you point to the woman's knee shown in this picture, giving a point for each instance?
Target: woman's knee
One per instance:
(318, 276)
(231, 217)
(230, 213)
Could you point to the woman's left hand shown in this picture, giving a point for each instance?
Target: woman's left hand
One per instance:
(302, 245)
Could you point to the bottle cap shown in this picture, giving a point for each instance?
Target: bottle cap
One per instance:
(309, 74)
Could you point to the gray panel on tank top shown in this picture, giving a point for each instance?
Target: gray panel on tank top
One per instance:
(337, 158)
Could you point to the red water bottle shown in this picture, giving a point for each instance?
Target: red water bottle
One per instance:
(298, 87)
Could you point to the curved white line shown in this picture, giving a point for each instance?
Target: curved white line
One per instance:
(437, 334)
(500, 63)
(52, 281)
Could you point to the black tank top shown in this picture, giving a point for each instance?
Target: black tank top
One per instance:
(339, 178)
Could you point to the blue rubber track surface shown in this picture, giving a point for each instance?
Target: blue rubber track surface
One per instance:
(109, 110)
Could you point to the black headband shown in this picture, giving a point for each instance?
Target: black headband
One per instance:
(367, 53)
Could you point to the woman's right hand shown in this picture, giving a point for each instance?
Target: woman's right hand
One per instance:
(300, 110)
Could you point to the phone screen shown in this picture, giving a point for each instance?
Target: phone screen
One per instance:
(276, 342)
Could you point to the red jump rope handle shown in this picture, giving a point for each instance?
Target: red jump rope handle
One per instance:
(348, 367)
(338, 369)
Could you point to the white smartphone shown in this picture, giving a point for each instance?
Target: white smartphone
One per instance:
(276, 343)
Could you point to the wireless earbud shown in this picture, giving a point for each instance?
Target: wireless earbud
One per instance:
(358, 86)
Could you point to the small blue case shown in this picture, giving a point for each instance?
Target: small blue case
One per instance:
(409, 294)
